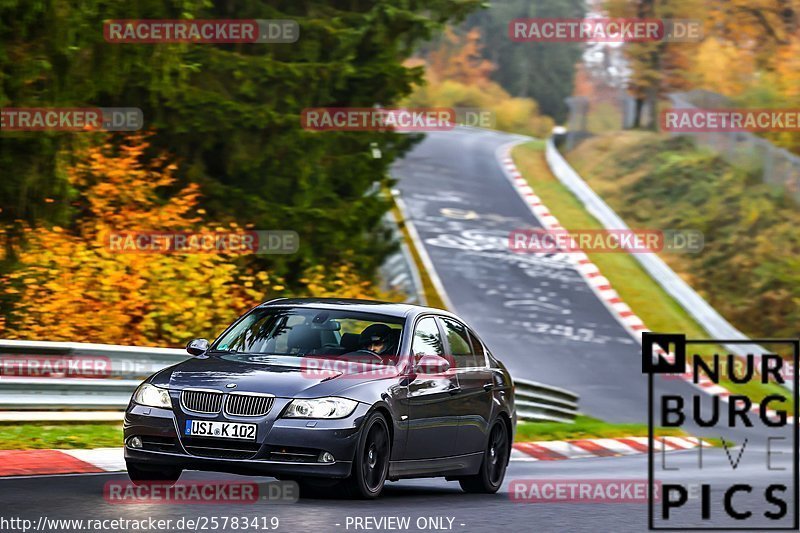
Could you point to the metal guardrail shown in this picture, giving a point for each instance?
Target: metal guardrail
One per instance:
(126, 367)
(44, 394)
(126, 362)
(129, 365)
(537, 402)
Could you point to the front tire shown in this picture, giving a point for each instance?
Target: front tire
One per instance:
(495, 461)
(371, 462)
(145, 476)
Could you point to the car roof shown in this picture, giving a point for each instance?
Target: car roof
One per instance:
(353, 304)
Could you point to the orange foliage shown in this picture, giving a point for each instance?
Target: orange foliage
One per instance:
(457, 76)
(458, 59)
(70, 287)
(343, 282)
(786, 64)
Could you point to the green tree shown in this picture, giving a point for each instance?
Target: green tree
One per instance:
(228, 113)
(542, 71)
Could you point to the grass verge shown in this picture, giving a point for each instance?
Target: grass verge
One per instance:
(45, 435)
(586, 427)
(642, 293)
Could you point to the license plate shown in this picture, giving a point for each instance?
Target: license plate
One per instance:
(222, 430)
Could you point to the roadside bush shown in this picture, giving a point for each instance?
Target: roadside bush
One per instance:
(68, 285)
(456, 76)
(749, 269)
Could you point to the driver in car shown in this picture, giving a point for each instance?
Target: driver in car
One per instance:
(373, 341)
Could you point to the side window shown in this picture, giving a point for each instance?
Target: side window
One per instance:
(477, 350)
(459, 343)
(427, 340)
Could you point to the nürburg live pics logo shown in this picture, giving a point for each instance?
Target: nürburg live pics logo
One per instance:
(745, 475)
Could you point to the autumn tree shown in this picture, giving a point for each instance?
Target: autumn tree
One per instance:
(656, 67)
(758, 26)
(229, 112)
(70, 285)
(458, 76)
(458, 58)
(543, 72)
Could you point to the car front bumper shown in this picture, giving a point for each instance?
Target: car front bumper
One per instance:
(272, 453)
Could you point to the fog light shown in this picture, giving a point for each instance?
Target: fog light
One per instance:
(135, 442)
(326, 457)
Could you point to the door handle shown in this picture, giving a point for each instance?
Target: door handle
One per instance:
(488, 386)
(454, 390)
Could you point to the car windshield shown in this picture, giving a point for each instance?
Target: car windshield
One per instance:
(304, 332)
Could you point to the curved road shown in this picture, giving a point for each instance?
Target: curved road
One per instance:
(538, 315)
(535, 311)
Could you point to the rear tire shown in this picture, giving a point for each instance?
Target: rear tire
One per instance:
(371, 462)
(144, 476)
(489, 478)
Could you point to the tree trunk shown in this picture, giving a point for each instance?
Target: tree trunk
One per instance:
(637, 113)
(652, 107)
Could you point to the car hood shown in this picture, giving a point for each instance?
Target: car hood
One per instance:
(264, 374)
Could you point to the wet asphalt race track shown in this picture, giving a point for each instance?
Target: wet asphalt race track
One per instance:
(535, 311)
(538, 315)
(81, 497)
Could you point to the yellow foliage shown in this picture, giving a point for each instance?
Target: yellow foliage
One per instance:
(342, 281)
(787, 72)
(457, 77)
(784, 80)
(722, 67)
(71, 287)
(459, 59)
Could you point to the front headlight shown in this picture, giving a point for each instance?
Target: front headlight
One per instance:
(320, 408)
(152, 396)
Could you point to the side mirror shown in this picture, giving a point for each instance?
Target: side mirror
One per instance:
(432, 364)
(197, 346)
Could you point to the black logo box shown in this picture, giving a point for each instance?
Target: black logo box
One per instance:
(655, 364)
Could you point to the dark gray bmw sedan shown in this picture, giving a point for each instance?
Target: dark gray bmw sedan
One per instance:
(341, 394)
